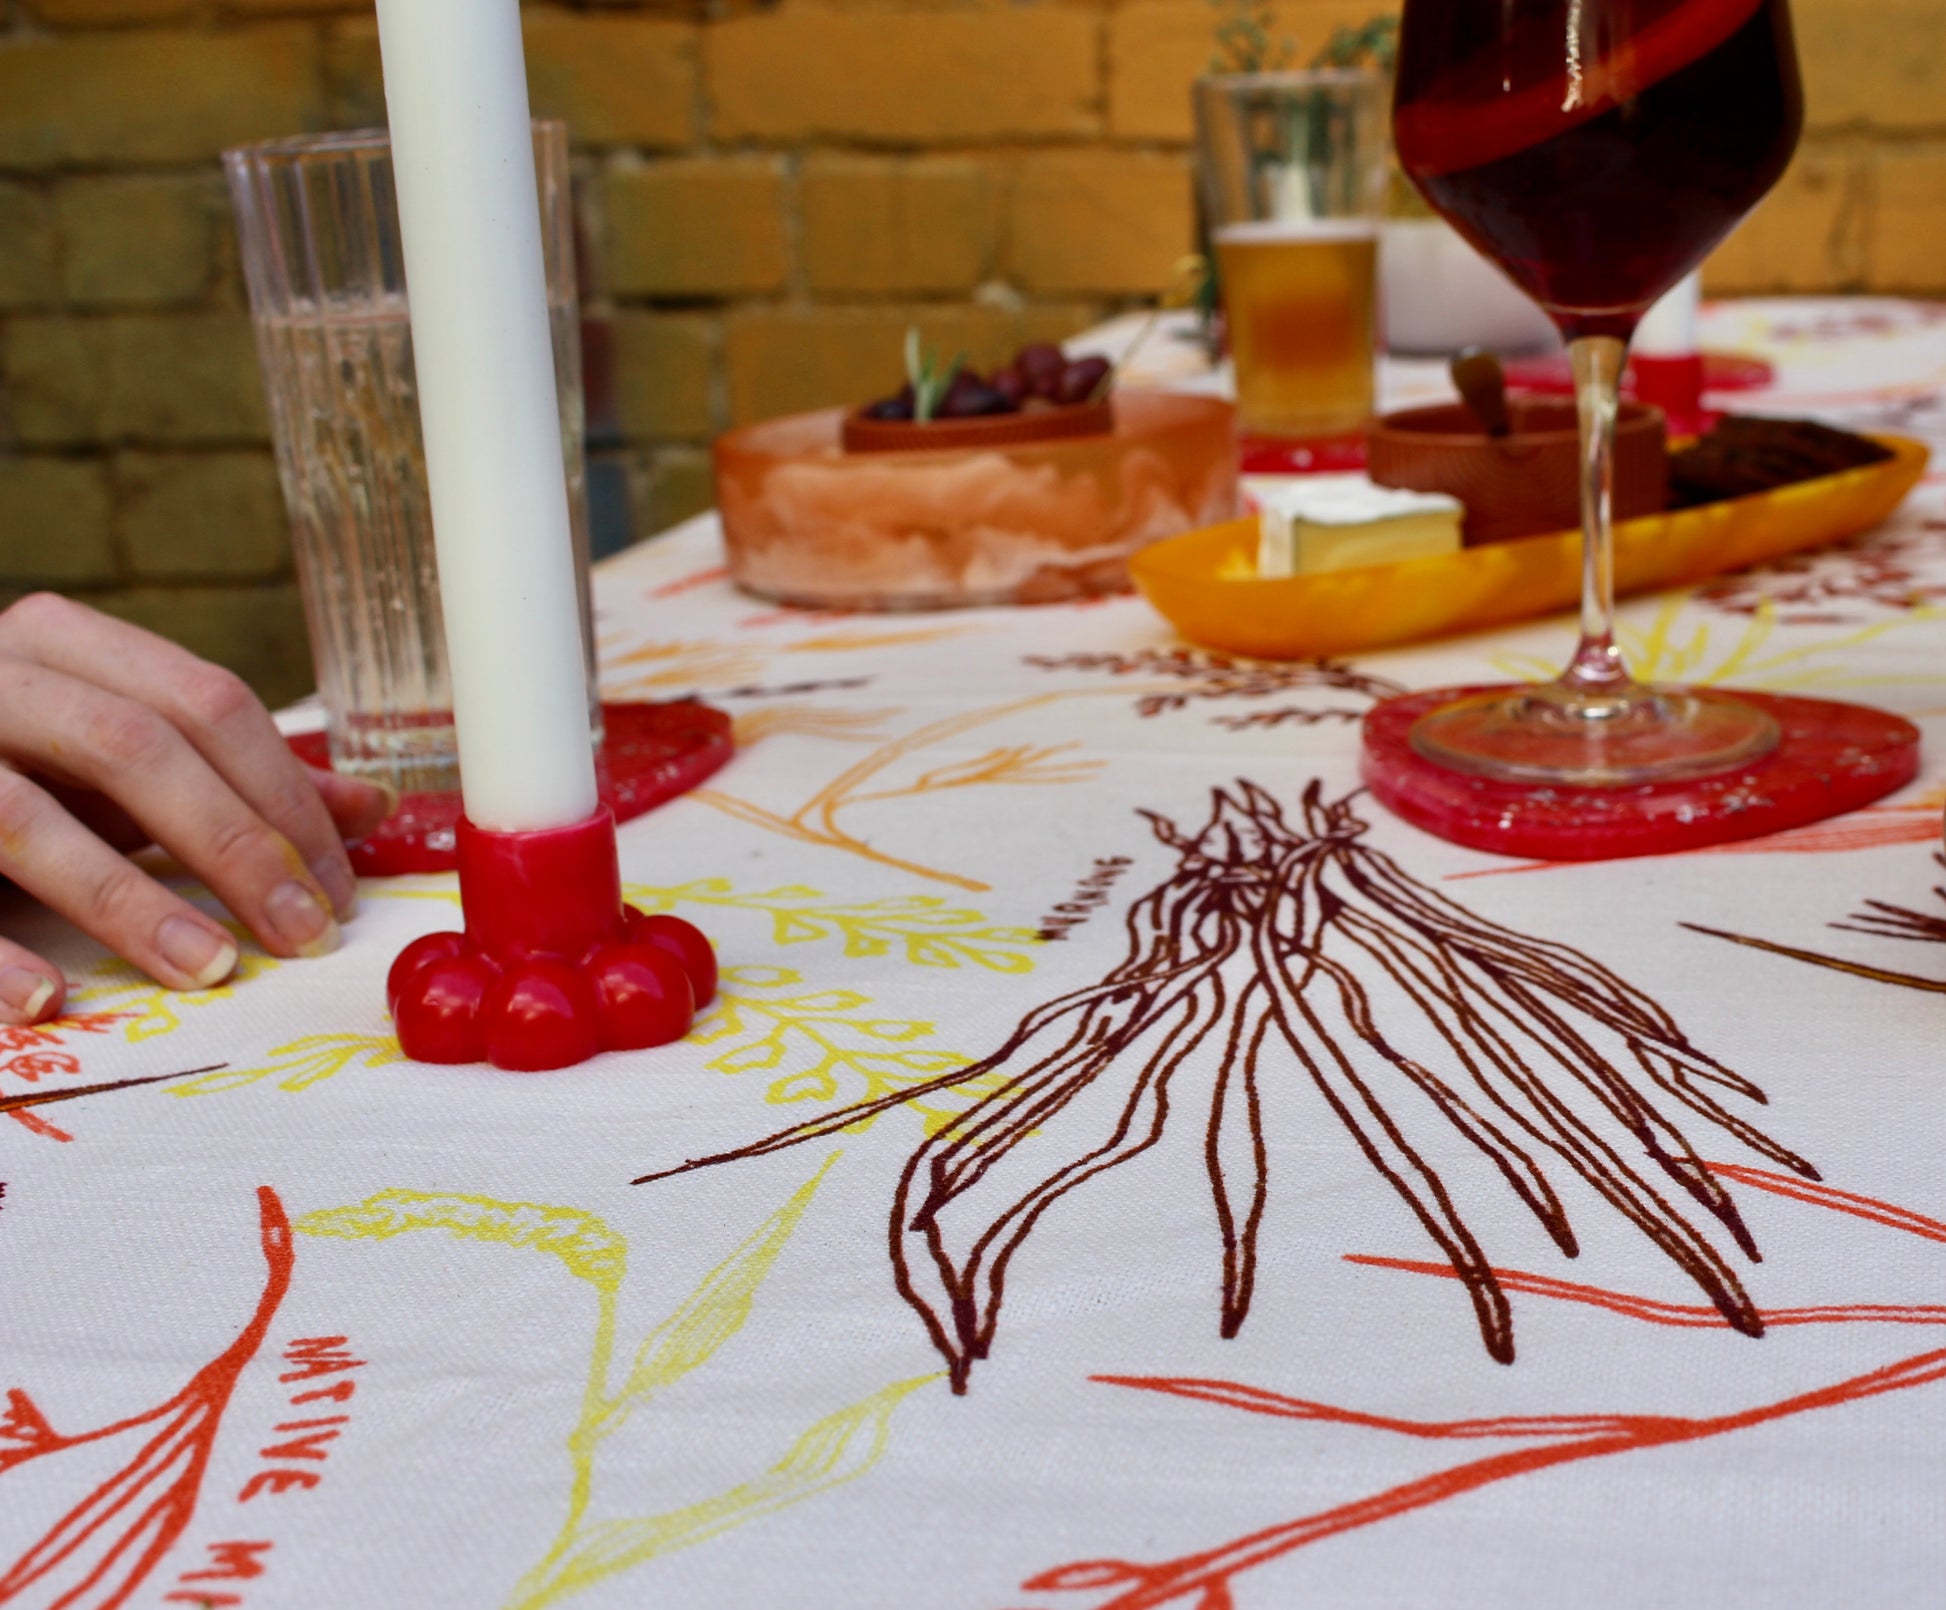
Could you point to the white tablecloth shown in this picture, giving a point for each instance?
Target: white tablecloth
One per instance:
(1311, 1212)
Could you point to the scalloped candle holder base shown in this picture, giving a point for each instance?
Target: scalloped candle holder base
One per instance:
(553, 968)
(1831, 758)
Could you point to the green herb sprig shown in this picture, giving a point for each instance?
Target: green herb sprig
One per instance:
(930, 380)
(1245, 42)
(1373, 44)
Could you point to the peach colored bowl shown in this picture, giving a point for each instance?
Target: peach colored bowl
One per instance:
(805, 522)
(1522, 484)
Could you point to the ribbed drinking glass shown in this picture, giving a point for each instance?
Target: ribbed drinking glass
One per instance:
(317, 219)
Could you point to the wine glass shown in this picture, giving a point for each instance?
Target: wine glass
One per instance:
(1596, 150)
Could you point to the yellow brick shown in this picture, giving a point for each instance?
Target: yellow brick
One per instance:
(153, 97)
(258, 631)
(785, 360)
(201, 515)
(1809, 234)
(1156, 51)
(885, 224)
(54, 523)
(913, 76)
(664, 364)
(135, 239)
(622, 80)
(697, 227)
(354, 86)
(1880, 63)
(289, 8)
(1158, 48)
(28, 276)
(678, 484)
(1102, 221)
(161, 378)
(614, 80)
(1909, 223)
(56, 374)
(97, 13)
(187, 378)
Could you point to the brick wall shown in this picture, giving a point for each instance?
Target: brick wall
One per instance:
(769, 195)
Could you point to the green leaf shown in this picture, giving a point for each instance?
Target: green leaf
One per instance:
(929, 382)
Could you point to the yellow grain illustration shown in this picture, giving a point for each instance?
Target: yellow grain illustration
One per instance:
(835, 1449)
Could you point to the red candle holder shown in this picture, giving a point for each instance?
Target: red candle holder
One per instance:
(1674, 384)
(552, 967)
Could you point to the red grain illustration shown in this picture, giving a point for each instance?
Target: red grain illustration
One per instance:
(1207, 1579)
(103, 1549)
(30, 1052)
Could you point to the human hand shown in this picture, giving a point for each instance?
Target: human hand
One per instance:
(112, 738)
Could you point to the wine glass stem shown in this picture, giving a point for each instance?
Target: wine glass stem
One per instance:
(1596, 678)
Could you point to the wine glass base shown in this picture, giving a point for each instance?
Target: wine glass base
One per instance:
(1829, 758)
(1546, 735)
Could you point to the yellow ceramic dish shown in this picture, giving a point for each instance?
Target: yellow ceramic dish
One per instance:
(1206, 583)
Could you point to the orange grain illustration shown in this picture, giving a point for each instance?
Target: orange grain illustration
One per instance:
(1207, 1579)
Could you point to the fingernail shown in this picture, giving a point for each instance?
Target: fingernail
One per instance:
(390, 795)
(203, 955)
(301, 920)
(333, 873)
(25, 993)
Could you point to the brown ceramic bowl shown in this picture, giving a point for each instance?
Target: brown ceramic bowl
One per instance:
(1523, 484)
(862, 435)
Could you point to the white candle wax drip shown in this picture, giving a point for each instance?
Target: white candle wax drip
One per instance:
(463, 155)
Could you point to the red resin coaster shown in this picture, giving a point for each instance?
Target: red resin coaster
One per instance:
(1322, 455)
(650, 753)
(1832, 758)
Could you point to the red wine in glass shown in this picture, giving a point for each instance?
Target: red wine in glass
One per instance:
(1596, 150)
(1596, 172)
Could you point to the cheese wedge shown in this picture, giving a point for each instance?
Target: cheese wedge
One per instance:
(1307, 524)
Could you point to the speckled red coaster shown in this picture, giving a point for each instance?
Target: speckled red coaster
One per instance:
(650, 753)
(1832, 758)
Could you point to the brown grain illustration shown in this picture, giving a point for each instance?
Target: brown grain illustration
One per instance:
(1880, 919)
(1276, 948)
(1194, 675)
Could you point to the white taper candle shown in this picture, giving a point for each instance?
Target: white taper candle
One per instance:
(463, 154)
(1668, 329)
